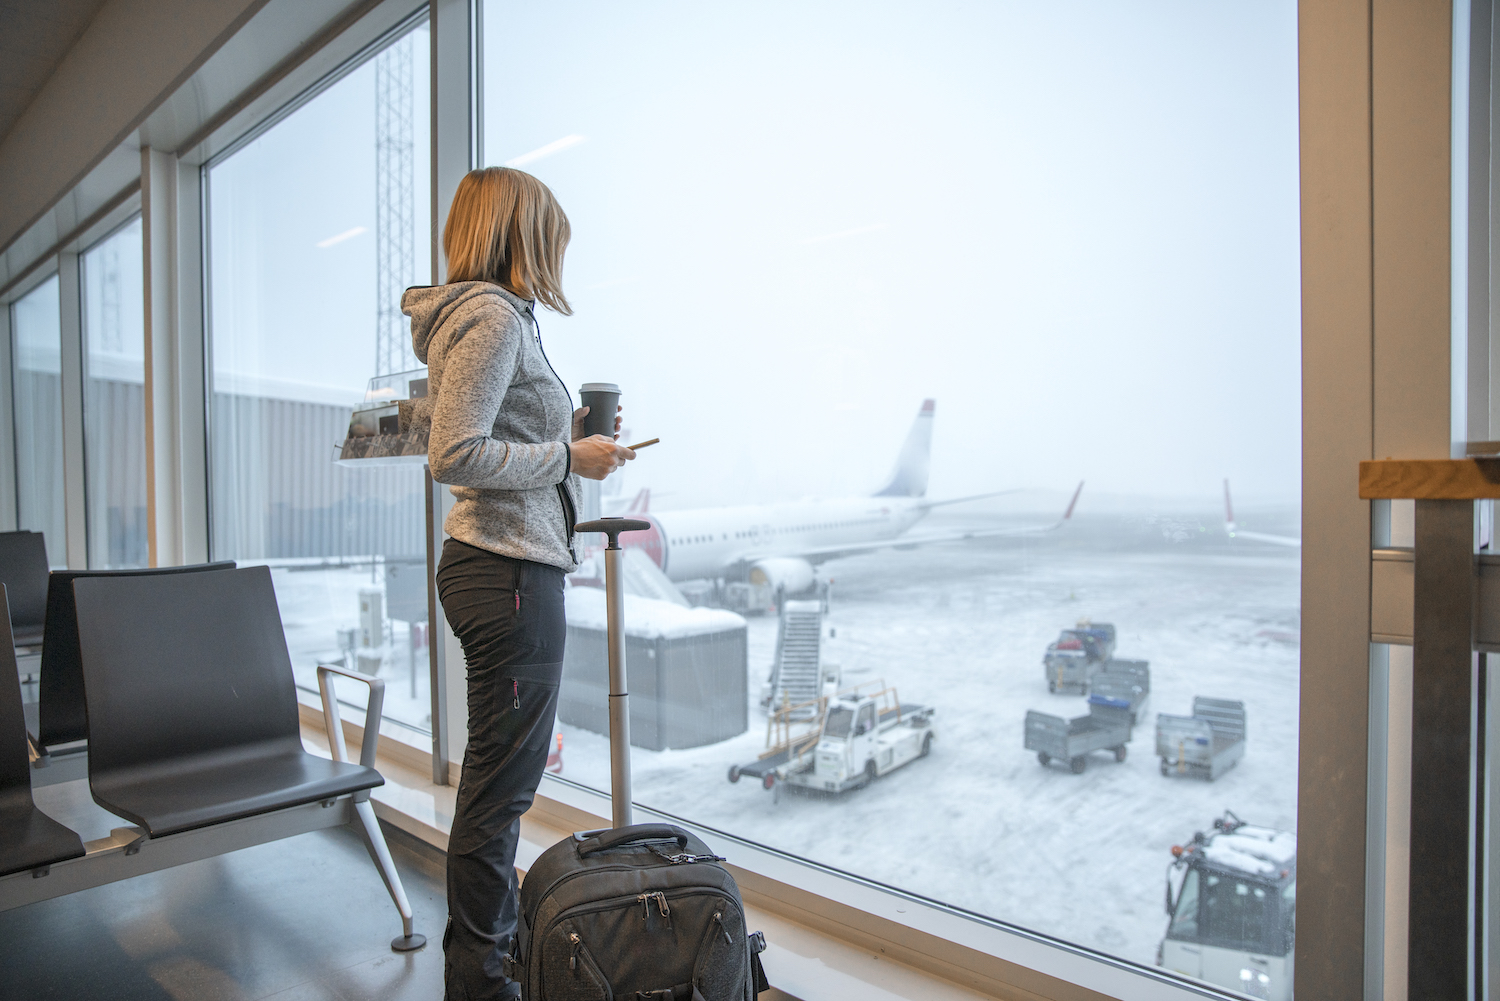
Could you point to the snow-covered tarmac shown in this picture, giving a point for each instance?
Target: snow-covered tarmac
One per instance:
(980, 824)
(962, 627)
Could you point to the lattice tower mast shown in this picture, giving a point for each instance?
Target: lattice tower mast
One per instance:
(395, 233)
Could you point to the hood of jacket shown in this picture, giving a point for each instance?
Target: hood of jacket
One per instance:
(430, 305)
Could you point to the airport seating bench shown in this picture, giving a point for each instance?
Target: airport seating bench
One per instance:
(193, 738)
(23, 571)
(58, 722)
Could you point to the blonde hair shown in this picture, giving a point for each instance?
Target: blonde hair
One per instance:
(506, 227)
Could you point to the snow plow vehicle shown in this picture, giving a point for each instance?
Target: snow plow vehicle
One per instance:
(849, 741)
(1072, 660)
(1071, 741)
(1232, 898)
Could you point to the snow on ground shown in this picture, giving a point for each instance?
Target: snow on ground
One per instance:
(315, 604)
(981, 824)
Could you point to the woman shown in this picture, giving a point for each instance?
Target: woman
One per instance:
(504, 435)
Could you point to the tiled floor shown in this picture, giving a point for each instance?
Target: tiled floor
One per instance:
(305, 919)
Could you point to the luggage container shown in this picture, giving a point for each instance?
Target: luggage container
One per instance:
(1072, 660)
(1105, 728)
(1205, 744)
(1127, 683)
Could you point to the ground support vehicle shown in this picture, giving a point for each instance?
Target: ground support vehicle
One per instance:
(1205, 744)
(855, 737)
(1072, 660)
(1105, 728)
(1232, 897)
(1126, 683)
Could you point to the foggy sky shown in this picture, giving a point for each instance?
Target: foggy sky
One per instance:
(1073, 224)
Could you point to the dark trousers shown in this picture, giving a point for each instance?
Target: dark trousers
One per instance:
(509, 616)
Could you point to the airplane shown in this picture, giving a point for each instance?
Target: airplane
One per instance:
(1235, 532)
(780, 545)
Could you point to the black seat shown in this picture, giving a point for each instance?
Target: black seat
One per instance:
(29, 839)
(23, 571)
(61, 714)
(192, 710)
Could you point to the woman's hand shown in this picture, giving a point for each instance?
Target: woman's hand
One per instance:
(596, 456)
(581, 412)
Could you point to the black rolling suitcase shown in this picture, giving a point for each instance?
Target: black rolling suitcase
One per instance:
(639, 911)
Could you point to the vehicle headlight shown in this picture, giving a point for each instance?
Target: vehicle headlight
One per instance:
(1255, 983)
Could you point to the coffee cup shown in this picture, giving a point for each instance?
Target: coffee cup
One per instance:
(603, 400)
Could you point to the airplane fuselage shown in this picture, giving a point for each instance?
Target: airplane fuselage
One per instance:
(724, 541)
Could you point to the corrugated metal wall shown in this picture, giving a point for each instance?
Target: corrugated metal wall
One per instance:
(114, 417)
(277, 493)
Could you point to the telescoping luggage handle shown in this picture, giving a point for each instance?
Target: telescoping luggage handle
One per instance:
(619, 698)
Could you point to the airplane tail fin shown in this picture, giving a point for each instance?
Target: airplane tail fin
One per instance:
(910, 476)
(1228, 510)
(642, 502)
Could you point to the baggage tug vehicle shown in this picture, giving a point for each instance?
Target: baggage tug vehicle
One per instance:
(849, 741)
(1232, 897)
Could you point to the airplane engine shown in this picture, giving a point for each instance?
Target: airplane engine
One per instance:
(784, 573)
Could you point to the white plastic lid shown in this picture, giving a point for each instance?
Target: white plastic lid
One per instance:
(599, 387)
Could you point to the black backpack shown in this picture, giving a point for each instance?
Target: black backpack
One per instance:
(637, 913)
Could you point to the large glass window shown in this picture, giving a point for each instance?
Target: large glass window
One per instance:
(316, 226)
(1074, 228)
(114, 399)
(36, 380)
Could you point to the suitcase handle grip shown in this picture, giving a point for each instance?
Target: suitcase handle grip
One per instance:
(627, 835)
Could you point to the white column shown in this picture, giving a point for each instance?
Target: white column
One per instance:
(176, 498)
(70, 294)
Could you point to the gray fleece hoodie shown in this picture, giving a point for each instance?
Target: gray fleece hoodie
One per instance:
(500, 421)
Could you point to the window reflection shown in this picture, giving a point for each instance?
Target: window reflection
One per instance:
(36, 380)
(114, 399)
(315, 227)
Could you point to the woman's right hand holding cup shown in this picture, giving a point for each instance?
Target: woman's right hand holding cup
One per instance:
(596, 456)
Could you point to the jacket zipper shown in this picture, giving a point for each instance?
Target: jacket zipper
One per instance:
(570, 513)
(516, 688)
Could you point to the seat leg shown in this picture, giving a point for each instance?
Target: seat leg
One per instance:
(380, 852)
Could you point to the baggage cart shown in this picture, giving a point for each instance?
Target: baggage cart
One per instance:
(1206, 744)
(1127, 683)
(1106, 727)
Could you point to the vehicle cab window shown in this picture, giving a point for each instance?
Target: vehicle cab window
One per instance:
(866, 719)
(1185, 917)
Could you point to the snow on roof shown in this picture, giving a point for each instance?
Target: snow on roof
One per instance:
(647, 617)
(1259, 851)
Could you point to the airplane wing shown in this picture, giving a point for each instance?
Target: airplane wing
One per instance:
(972, 497)
(1279, 540)
(933, 538)
(1235, 532)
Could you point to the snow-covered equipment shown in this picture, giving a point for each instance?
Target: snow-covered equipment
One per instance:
(1072, 660)
(1232, 897)
(1127, 684)
(689, 668)
(1205, 744)
(796, 674)
(841, 742)
(1106, 727)
(641, 911)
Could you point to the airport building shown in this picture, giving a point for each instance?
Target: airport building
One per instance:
(1070, 546)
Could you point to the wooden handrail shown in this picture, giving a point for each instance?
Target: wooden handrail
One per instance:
(1429, 479)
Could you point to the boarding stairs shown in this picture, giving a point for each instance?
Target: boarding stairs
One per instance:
(796, 673)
